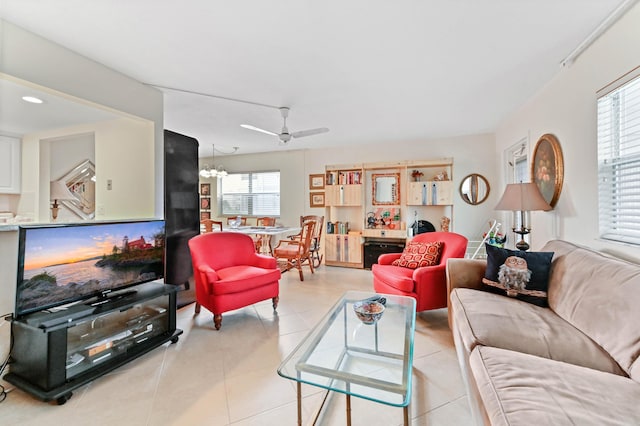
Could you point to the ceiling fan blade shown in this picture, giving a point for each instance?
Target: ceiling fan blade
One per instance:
(309, 132)
(257, 129)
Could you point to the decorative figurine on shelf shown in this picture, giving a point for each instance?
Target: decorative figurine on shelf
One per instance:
(416, 175)
(444, 224)
(441, 176)
(371, 220)
(495, 237)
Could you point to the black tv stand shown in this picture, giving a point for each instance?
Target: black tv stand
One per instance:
(56, 352)
(112, 297)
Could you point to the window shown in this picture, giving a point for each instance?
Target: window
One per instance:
(250, 194)
(619, 160)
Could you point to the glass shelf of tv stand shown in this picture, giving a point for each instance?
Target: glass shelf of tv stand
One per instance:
(104, 337)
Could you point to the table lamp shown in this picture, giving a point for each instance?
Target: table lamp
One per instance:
(521, 198)
(58, 191)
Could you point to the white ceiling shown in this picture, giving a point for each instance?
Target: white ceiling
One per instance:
(18, 117)
(369, 70)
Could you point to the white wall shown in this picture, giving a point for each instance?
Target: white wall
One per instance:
(122, 150)
(133, 148)
(471, 154)
(566, 107)
(42, 62)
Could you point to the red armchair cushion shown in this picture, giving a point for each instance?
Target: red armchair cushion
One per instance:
(417, 254)
(399, 278)
(236, 279)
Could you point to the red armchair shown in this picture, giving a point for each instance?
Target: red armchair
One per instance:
(425, 284)
(229, 274)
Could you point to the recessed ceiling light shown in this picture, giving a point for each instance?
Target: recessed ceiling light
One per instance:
(32, 99)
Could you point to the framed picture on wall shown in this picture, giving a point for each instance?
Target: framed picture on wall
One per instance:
(205, 215)
(205, 189)
(547, 168)
(205, 203)
(316, 182)
(316, 199)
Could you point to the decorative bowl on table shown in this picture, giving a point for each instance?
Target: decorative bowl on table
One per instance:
(367, 311)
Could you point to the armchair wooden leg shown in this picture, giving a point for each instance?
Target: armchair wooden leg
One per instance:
(299, 266)
(217, 321)
(275, 301)
(197, 311)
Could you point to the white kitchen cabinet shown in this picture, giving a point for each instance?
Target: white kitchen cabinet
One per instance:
(10, 165)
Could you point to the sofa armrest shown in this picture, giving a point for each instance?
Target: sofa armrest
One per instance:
(387, 258)
(264, 261)
(463, 273)
(467, 273)
(208, 276)
(428, 273)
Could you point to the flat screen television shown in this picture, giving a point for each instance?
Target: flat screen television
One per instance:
(61, 264)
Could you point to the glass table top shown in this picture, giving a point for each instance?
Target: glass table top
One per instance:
(343, 354)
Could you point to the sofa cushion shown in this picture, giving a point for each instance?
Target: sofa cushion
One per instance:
(600, 295)
(483, 318)
(538, 263)
(241, 278)
(400, 278)
(417, 255)
(521, 389)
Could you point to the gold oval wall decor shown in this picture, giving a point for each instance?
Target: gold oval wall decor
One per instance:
(474, 189)
(547, 168)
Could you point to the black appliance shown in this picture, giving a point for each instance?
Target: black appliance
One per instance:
(181, 210)
(374, 248)
(422, 226)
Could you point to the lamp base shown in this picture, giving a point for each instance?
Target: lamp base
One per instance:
(54, 209)
(522, 244)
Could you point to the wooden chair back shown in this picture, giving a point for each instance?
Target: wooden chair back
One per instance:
(318, 221)
(265, 221)
(243, 220)
(296, 252)
(209, 224)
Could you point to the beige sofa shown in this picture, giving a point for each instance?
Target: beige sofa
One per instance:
(574, 363)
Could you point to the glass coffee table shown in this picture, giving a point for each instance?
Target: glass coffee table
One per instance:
(342, 354)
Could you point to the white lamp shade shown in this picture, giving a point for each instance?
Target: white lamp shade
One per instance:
(523, 197)
(58, 191)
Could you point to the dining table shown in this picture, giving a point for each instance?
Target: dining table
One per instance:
(266, 234)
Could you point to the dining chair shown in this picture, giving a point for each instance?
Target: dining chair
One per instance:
(243, 220)
(296, 251)
(316, 257)
(264, 240)
(265, 221)
(209, 224)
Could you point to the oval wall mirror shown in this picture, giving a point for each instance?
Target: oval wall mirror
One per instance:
(474, 189)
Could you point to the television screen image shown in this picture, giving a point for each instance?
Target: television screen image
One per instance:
(62, 264)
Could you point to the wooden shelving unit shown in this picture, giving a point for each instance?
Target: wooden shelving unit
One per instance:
(348, 199)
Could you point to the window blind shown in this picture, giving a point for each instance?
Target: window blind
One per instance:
(619, 161)
(250, 194)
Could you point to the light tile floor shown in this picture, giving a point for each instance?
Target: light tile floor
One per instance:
(229, 377)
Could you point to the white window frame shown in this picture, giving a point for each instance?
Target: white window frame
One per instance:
(249, 196)
(618, 124)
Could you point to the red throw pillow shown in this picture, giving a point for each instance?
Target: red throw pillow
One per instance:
(416, 255)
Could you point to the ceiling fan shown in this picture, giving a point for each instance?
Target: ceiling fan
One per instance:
(284, 134)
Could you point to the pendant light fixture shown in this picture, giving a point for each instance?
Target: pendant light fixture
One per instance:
(213, 171)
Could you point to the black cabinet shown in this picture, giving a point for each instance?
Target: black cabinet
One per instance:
(374, 248)
(56, 352)
(181, 210)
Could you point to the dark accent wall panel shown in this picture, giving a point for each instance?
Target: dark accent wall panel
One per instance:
(181, 207)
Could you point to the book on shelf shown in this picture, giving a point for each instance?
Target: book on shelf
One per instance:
(344, 177)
